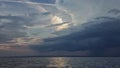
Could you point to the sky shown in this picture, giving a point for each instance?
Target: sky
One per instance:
(60, 28)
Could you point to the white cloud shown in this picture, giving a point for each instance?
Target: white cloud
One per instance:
(56, 20)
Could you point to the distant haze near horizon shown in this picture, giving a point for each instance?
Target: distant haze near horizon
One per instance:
(86, 28)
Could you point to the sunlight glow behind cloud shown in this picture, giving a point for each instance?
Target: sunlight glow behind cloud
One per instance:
(62, 27)
(56, 20)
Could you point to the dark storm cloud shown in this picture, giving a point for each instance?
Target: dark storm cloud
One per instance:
(12, 27)
(114, 11)
(99, 37)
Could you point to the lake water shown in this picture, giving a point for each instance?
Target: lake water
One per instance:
(60, 62)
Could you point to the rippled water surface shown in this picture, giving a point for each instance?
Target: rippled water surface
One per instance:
(60, 62)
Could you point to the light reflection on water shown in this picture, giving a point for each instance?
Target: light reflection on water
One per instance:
(60, 62)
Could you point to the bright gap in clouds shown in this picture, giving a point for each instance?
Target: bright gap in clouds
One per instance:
(56, 20)
(62, 27)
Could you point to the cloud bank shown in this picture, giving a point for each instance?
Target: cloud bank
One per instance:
(100, 37)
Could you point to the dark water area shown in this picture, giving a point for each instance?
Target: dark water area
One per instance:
(60, 62)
